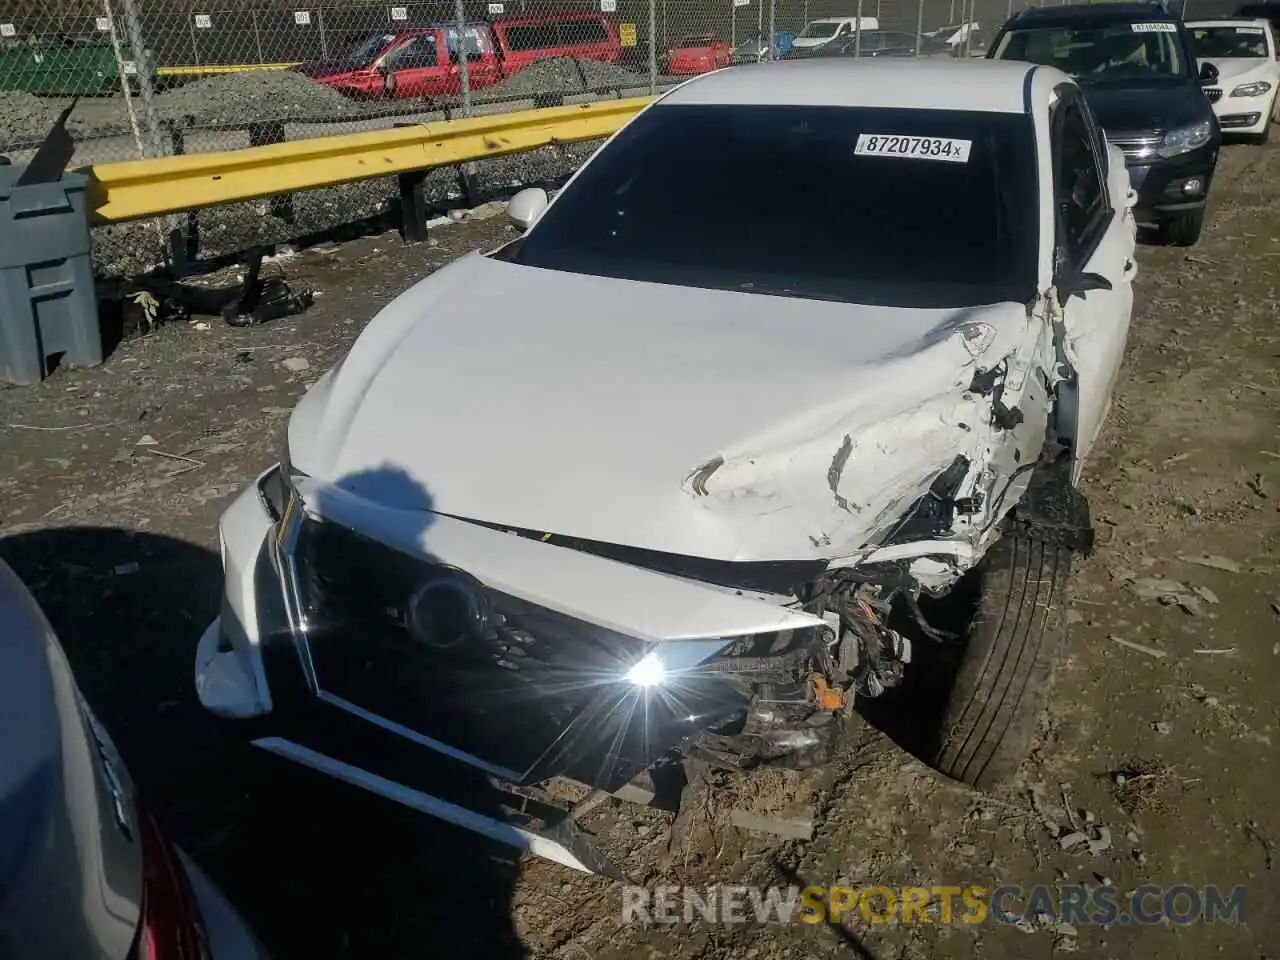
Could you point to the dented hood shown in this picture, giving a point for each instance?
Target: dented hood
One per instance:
(586, 406)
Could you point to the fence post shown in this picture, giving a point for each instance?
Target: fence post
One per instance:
(464, 60)
(257, 35)
(920, 24)
(653, 47)
(324, 47)
(857, 32)
(773, 27)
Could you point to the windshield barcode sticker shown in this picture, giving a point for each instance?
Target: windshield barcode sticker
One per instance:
(1254, 30)
(915, 148)
(1154, 27)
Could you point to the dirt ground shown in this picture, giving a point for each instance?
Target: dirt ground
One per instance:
(112, 479)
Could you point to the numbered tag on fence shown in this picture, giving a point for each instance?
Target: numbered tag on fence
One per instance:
(7, 30)
(130, 68)
(742, 3)
(496, 8)
(399, 13)
(103, 24)
(609, 6)
(302, 18)
(204, 21)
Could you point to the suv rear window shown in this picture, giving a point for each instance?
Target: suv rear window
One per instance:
(775, 200)
(562, 33)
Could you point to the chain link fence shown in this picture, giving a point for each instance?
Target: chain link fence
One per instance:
(157, 78)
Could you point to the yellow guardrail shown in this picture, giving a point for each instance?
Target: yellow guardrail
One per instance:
(147, 188)
(213, 69)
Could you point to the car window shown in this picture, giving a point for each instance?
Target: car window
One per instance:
(1226, 43)
(806, 201)
(1113, 53)
(363, 53)
(1079, 188)
(588, 30)
(532, 36)
(418, 52)
(479, 42)
(819, 31)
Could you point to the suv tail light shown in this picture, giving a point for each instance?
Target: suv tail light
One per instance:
(170, 927)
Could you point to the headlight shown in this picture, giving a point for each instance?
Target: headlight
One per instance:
(1255, 89)
(1185, 138)
(648, 671)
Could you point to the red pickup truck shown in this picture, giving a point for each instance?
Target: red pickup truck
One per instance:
(424, 61)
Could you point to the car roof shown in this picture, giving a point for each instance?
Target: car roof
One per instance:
(993, 86)
(1230, 22)
(1074, 13)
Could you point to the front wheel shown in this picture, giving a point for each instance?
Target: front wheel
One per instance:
(1184, 230)
(994, 706)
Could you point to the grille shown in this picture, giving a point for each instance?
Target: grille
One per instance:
(1213, 93)
(1137, 147)
(532, 690)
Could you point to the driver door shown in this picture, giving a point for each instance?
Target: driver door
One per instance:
(1096, 234)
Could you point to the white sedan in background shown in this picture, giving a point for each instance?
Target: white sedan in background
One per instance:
(1248, 62)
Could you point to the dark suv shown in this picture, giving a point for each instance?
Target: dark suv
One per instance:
(1135, 63)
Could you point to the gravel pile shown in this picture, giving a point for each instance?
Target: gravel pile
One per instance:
(257, 94)
(24, 117)
(563, 75)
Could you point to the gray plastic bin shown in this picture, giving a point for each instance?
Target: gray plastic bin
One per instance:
(47, 300)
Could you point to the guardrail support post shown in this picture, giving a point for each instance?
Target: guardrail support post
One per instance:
(413, 206)
(261, 134)
(184, 245)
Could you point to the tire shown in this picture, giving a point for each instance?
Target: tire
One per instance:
(992, 711)
(1182, 231)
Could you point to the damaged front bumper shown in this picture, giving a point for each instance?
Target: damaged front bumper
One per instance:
(460, 670)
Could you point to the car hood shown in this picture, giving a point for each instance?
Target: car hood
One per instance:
(1158, 108)
(316, 69)
(698, 422)
(1243, 68)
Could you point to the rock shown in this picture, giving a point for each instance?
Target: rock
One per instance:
(1102, 843)
(1211, 560)
(146, 440)
(1073, 839)
(1162, 727)
(296, 364)
(1205, 594)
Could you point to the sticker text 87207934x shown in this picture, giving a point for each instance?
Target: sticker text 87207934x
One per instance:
(912, 148)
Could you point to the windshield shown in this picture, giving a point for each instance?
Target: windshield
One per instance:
(364, 52)
(1114, 53)
(817, 30)
(1228, 43)
(911, 208)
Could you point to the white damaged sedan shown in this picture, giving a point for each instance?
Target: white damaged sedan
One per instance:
(661, 483)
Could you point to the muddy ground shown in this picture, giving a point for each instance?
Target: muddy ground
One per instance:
(112, 479)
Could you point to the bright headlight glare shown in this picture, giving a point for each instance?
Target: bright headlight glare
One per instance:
(1186, 138)
(648, 671)
(1255, 89)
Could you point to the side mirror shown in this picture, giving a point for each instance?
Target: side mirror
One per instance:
(1208, 73)
(526, 206)
(1078, 284)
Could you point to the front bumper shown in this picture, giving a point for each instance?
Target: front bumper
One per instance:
(1175, 185)
(467, 733)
